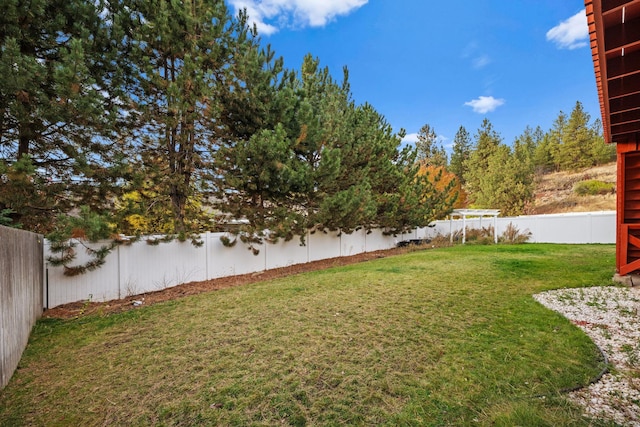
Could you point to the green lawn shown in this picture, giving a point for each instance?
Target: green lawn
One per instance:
(438, 337)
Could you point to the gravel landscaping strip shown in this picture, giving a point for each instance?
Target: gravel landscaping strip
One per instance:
(609, 315)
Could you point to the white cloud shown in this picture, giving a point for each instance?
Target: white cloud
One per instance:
(572, 33)
(298, 13)
(485, 104)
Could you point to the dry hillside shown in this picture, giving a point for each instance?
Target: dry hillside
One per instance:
(555, 192)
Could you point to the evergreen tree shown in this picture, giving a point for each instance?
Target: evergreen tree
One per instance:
(461, 153)
(576, 141)
(264, 185)
(487, 141)
(499, 177)
(366, 173)
(418, 199)
(600, 151)
(543, 158)
(360, 176)
(321, 135)
(525, 145)
(538, 136)
(506, 185)
(326, 164)
(554, 140)
(58, 110)
(182, 54)
(430, 152)
(257, 175)
(524, 148)
(405, 196)
(301, 131)
(259, 98)
(573, 143)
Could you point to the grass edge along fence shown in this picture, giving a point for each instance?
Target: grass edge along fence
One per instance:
(140, 268)
(21, 298)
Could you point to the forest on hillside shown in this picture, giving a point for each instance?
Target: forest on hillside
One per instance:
(142, 118)
(493, 174)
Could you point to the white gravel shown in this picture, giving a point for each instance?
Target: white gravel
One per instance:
(609, 315)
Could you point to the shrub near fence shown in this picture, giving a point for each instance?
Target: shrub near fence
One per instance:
(21, 284)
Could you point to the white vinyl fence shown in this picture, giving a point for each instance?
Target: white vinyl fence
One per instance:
(139, 268)
(572, 228)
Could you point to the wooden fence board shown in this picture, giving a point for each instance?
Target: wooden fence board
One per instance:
(21, 294)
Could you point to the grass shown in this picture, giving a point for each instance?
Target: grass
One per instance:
(593, 187)
(447, 336)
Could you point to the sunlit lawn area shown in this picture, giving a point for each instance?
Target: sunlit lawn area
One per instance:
(438, 337)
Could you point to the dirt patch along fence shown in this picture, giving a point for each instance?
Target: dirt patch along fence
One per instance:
(21, 294)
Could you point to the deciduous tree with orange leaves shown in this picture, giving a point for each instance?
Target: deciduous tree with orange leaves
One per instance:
(445, 181)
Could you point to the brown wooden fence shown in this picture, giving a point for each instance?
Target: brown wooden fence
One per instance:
(21, 294)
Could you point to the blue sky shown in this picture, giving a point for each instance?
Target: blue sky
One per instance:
(451, 63)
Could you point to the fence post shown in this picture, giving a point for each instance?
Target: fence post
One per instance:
(206, 255)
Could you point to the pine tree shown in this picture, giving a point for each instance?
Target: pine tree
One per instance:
(418, 199)
(573, 143)
(524, 148)
(430, 152)
(554, 139)
(264, 185)
(182, 54)
(58, 110)
(366, 147)
(259, 98)
(318, 162)
(461, 153)
(506, 185)
(487, 141)
(543, 160)
(299, 130)
(600, 151)
(574, 150)
(499, 177)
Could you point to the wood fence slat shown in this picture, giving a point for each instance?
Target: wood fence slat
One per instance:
(21, 294)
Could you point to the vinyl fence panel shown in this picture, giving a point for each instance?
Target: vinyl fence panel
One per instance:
(376, 241)
(284, 254)
(324, 245)
(102, 284)
(353, 243)
(223, 261)
(148, 268)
